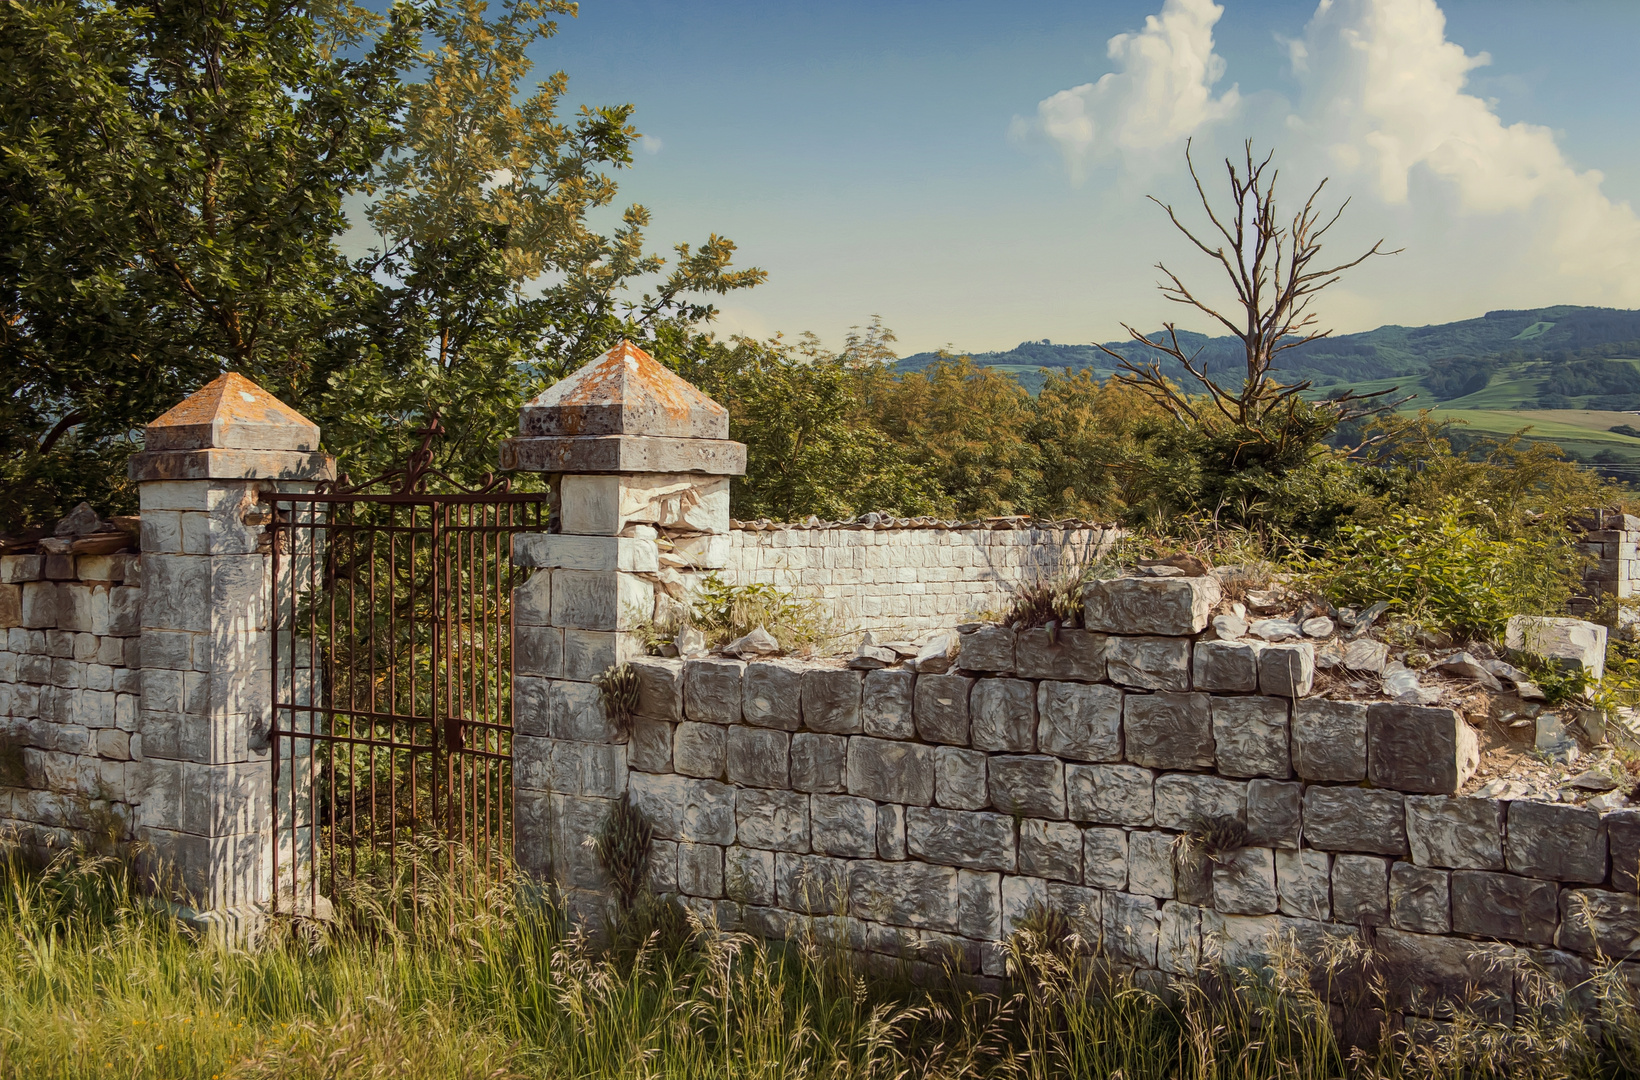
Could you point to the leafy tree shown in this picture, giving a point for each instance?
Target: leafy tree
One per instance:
(171, 178)
(802, 412)
(968, 429)
(496, 282)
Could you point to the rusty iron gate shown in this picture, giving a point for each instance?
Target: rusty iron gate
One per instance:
(392, 680)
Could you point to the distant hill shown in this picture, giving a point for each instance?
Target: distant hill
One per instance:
(1558, 349)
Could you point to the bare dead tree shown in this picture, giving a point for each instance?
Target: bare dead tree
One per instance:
(1276, 272)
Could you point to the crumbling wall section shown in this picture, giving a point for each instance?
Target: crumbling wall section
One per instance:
(70, 752)
(923, 814)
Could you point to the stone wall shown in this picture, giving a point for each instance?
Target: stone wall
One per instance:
(70, 753)
(921, 814)
(905, 579)
(1612, 542)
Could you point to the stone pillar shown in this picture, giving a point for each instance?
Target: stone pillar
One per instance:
(205, 706)
(641, 462)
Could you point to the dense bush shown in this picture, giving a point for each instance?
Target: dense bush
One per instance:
(1445, 572)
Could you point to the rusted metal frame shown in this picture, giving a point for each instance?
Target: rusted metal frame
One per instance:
(460, 592)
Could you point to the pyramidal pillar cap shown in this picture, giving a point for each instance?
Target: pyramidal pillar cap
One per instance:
(624, 413)
(231, 428)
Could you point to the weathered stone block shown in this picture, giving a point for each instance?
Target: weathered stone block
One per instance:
(1595, 921)
(599, 599)
(1431, 975)
(887, 770)
(539, 651)
(1103, 857)
(886, 704)
(1563, 843)
(942, 708)
(1417, 749)
(1033, 785)
(17, 569)
(1360, 889)
(651, 746)
(831, 700)
(1304, 884)
(819, 762)
(976, 841)
(1286, 670)
(891, 832)
(1504, 906)
(772, 694)
(1068, 655)
(700, 750)
(1083, 909)
(1078, 721)
(905, 894)
(1330, 740)
(979, 905)
(1172, 606)
(1250, 736)
(1149, 663)
(712, 691)
(662, 874)
(1149, 863)
(1225, 666)
(589, 653)
(1244, 883)
(1274, 812)
(1420, 899)
(700, 870)
(1002, 715)
(1132, 927)
(1179, 948)
(843, 825)
(1168, 731)
(748, 875)
(812, 884)
(1623, 833)
(1182, 800)
(989, 649)
(772, 820)
(1569, 643)
(38, 609)
(1110, 794)
(1051, 849)
(1459, 834)
(681, 808)
(660, 687)
(1021, 896)
(1355, 819)
(960, 779)
(759, 757)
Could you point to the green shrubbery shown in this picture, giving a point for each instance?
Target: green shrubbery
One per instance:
(1446, 572)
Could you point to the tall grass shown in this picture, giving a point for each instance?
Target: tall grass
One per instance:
(96, 982)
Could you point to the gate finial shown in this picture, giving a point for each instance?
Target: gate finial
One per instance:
(624, 413)
(231, 428)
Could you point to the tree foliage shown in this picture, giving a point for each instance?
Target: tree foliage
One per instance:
(173, 178)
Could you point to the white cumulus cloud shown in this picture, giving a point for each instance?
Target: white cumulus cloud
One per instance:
(1161, 92)
(1384, 93)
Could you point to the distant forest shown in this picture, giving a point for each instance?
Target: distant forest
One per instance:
(1448, 360)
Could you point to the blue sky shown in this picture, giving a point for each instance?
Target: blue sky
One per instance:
(948, 166)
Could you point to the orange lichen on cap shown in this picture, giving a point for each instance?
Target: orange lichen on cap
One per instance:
(625, 392)
(231, 412)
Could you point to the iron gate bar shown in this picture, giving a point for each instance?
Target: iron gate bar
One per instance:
(439, 601)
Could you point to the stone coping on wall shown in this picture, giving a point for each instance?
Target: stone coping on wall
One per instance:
(926, 815)
(884, 522)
